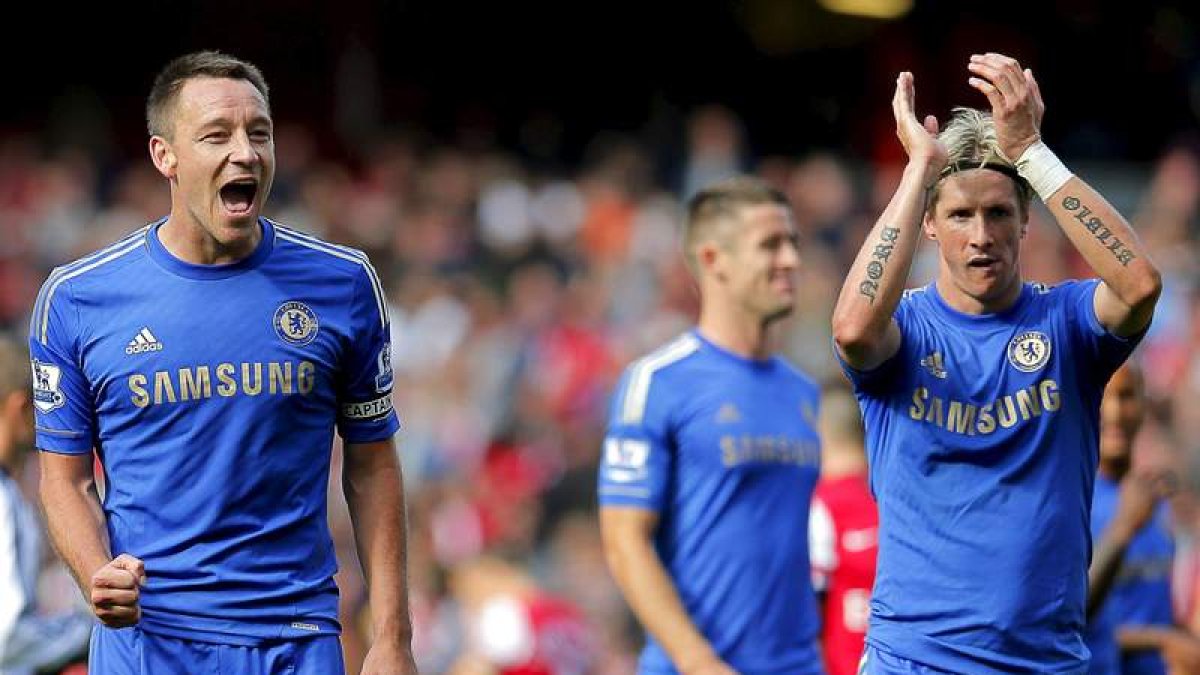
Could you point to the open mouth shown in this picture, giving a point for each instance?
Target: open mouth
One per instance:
(238, 195)
(983, 262)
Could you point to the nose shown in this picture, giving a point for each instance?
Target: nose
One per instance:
(979, 235)
(789, 256)
(241, 149)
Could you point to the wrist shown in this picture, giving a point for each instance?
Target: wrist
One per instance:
(699, 661)
(924, 170)
(1042, 169)
(395, 633)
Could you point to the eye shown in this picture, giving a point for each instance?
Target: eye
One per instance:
(999, 212)
(260, 136)
(214, 137)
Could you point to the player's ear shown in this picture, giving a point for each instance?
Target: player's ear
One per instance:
(163, 156)
(708, 258)
(927, 225)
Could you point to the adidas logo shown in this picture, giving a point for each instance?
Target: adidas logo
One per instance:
(933, 364)
(143, 342)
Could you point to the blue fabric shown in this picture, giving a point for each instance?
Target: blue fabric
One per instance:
(981, 434)
(878, 662)
(725, 450)
(1141, 593)
(211, 395)
(132, 651)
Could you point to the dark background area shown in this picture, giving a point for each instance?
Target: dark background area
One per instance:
(545, 77)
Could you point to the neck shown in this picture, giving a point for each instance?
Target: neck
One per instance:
(968, 304)
(188, 240)
(735, 332)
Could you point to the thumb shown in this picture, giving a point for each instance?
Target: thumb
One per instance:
(132, 565)
(931, 124)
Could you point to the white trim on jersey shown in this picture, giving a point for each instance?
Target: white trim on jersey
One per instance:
(344, 253)
(633, 405)
(41, 301)
(115, 251)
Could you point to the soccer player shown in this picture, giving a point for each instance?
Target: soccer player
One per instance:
(207, 358)
(711, 456)
(1133, 630)
(30, 641)
(843, 533)
(981, 392)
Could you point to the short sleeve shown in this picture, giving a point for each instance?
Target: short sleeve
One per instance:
(365, 411)
(64, 414)
(636, 459)
(883, 374)
(1088, 336)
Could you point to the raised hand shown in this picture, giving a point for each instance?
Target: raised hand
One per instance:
(1017, 106)
(919, 139)
(115, 596)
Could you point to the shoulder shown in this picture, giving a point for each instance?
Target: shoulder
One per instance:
(796, 376)
(111, 257)
(325, 255)
(657, 370)
(92, 270)
(1063, 290)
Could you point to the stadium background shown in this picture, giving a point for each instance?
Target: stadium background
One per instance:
(516, 172)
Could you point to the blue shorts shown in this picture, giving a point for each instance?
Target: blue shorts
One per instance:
(132, 651)
(877, 662)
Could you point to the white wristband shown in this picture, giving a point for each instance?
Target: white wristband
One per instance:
(1043, 170)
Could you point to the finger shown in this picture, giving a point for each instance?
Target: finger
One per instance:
(132, 565)
(1003, 71)
(993, 95)
(931, 125)
(904, 95)
(114, 597)
(996, 78)
(1034, 91)
(111, 577)
(119, 617)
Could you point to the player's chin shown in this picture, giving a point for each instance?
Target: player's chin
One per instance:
(779, 310)
(236, 222)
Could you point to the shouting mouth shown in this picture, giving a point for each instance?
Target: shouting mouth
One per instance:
(237, 196)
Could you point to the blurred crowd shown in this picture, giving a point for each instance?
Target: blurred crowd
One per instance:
(519, 289)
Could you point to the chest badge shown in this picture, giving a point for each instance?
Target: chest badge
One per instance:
(1029, 351)
(296, 323)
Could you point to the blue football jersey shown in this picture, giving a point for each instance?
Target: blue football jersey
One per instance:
(981, 434)
(211, 394)
(1141, 593)
(724, 450)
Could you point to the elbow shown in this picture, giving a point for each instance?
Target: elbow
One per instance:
(851, 336)
(1142, 294)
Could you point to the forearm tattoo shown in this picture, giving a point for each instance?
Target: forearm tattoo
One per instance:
(1119, 249)
(879, 257)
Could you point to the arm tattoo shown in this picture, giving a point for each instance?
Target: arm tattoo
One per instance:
(879, 257)
(1119, 249)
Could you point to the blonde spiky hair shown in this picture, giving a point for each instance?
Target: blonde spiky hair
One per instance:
(970, 140)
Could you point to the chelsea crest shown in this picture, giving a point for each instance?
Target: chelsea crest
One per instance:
(296, 323)
(1029, 351)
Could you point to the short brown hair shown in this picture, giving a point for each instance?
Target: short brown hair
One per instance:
(719, 203)
(189, 66)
